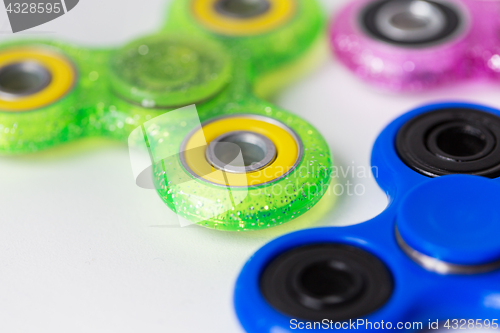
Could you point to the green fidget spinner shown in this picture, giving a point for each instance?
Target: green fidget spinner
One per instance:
(235, 163)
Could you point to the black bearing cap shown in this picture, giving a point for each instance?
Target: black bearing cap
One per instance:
(452, 23)
(326, 281)
(451, 141)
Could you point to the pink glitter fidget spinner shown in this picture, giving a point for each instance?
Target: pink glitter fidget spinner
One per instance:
(411, 45)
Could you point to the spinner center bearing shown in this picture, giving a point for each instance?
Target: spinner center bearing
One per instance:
(450, 225)
(326, 281)
(451, 141)
(242, 150)
(242, 8)
(244, 17)
(412, 22)
(256, 150)
(162, 71)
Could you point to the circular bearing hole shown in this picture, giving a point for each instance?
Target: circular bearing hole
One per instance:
(256, 151)
(22, 79)
(251, 153)
(411, 22)
(461, 141)
(328, 283)
(242, 8)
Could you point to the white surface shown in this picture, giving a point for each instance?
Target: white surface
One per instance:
(82, 249)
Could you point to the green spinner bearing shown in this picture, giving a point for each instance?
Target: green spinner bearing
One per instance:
(239, 163)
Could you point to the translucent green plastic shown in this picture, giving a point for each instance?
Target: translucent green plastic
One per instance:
(117, 91)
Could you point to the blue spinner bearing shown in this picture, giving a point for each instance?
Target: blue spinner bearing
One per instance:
(433, 254)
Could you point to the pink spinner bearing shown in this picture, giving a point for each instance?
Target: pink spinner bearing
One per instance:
(413, 45)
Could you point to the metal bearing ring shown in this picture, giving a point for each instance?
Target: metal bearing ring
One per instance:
(412, 23)
(270, 150)
(243, 17)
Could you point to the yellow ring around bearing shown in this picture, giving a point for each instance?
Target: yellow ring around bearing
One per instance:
(286, 147)
(280, 11)
(62, 78)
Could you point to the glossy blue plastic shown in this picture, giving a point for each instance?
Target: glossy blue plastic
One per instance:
(453, 218)
(460, 222)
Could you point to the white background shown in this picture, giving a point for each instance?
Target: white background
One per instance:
(82, 249)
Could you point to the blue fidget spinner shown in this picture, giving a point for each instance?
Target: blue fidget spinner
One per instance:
(433, 254)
